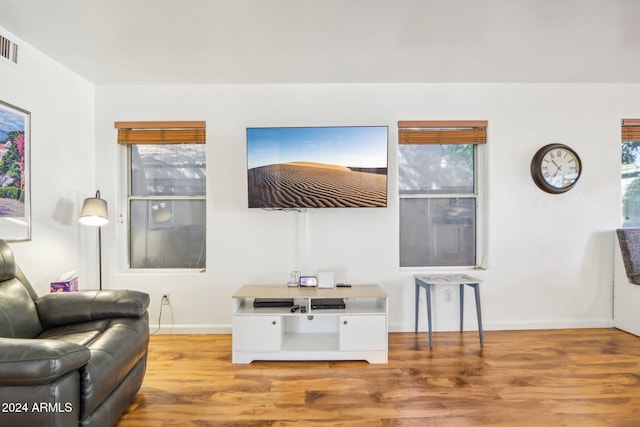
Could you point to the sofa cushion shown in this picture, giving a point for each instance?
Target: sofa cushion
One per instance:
(77, 333)
(18, 314)
(29, 361)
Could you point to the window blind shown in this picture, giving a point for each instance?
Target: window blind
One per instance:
(442, 132)
(631, 129)
(188, 132)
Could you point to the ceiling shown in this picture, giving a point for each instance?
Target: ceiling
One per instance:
(333, 41)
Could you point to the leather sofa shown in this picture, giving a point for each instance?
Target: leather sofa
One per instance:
(68, 359)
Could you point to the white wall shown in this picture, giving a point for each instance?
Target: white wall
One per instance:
(549, 257)
(62, 165)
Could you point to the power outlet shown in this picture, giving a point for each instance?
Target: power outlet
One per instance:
(448, 295)
(165, 299)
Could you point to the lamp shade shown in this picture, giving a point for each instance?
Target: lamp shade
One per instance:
(161, 212)
(94, 211)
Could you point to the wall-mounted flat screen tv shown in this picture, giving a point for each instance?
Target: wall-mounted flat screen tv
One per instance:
(317, 167)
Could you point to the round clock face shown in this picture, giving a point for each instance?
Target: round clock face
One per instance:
(555, 168)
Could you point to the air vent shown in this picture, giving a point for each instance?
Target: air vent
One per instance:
(8, 49)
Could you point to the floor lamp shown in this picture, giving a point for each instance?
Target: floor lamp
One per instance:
(94, 213)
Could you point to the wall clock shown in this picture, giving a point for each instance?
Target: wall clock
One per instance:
(555, 168)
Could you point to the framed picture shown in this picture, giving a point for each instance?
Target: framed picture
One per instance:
(15, 194)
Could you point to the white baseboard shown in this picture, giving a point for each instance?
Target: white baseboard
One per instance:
(506, 326)
(191, 329)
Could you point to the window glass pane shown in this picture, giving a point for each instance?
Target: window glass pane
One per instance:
(630, 184)
(167, 233)
(437, 232)
(436, 169)
(168, 169)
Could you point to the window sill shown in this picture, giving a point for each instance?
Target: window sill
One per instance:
(162, 271)
(443, 269)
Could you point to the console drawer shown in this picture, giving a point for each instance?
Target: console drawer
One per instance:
(363, 332)
(257, 332)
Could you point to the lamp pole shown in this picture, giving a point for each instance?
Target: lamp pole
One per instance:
(100, 256)
(95, 213)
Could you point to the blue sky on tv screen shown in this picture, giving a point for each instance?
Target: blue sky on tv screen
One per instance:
(357, 146)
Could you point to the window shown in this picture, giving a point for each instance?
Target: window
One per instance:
(166, 193)
(630, 177)
(439, 192)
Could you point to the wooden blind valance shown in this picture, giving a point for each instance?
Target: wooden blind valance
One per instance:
(631, 129)
(193, 132)
(442, 132)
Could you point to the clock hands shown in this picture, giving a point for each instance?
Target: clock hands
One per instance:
(552, 161)
(558, 166)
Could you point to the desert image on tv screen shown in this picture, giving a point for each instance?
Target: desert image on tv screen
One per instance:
(317, 167)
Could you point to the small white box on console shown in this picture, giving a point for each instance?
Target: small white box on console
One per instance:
(325, 279)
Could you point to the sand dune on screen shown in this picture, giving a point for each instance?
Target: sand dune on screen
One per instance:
(314, 185)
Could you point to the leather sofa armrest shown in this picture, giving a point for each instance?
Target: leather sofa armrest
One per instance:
(65, 308)
(27, 361)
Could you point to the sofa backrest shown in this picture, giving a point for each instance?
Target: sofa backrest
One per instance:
(18, 314)
(629, 239)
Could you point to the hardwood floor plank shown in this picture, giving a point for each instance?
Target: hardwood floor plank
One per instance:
(584, 377)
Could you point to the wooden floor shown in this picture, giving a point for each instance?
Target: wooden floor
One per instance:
(585, 377)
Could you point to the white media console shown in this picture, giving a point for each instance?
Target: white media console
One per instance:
(357, 332)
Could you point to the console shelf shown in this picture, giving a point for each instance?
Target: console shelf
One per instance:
(357, 332)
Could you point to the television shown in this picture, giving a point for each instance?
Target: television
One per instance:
(317, 167)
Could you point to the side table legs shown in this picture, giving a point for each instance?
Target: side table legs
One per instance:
(427, 288)
(417, 304)
(476, 288)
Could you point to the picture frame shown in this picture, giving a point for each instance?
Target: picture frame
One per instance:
(15, 173)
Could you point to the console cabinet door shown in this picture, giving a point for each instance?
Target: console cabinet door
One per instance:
(253, 333)
(363, 332)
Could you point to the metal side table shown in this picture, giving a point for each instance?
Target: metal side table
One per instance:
(425, 281)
